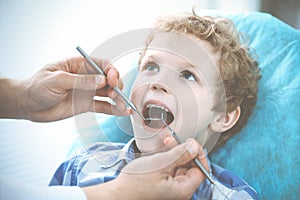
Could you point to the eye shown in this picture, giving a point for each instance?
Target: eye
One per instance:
(151, 66)
(188, 76)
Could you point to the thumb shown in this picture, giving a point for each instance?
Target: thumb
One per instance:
(183, 153)
(84, 81)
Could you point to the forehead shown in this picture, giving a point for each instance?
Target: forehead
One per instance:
(187, 47)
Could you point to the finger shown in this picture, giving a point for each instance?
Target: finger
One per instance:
(120, 103)
(124, 112)
(170, 142)
(75, 65)
(82, 82)
(113, 78)
(102, 92)
(118, 106)
(101, 107)
(111, 93)
(181, 171)
(182, 153)
(189, 182)
(107, 108)
(106, 66)
(101, 64)
(202, 154)
(81, 66)
(202, 157)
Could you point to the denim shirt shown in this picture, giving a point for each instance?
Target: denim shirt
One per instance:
(103, 162)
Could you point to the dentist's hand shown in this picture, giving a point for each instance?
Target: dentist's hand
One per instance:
(47, 95)
(153, 177)
(170, 142)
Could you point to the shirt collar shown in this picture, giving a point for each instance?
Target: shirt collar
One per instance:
(117, 156)
(127, 154)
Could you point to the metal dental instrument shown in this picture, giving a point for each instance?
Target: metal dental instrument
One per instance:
(196, 160)
(116, 89)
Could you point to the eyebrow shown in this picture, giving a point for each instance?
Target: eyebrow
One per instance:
(152, 58)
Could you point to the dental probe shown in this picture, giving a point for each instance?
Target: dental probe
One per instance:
(196, 160)
(116, 89)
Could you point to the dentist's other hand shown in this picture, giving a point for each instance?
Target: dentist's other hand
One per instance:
(49, 94)
(139, 179)
(170, 142)
(153, 177)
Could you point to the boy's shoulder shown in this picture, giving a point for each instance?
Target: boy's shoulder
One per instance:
(100, 147)
(232, 183)
(102, 158)
(226, 177)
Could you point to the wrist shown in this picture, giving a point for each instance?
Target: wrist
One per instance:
(12, 101)
(107, 190)
(124, 190)
(130, 187)
(113, 190)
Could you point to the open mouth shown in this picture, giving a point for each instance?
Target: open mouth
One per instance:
(154, 114)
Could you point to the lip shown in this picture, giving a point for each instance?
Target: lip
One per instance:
(150, 129)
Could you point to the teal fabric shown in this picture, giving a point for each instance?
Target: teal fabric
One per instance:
(266, 151)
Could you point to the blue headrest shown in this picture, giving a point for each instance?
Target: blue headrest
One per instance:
(266, 151)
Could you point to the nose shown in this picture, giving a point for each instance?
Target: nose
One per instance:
(158, 87)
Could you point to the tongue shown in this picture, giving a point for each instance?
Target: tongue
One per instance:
(154, 124)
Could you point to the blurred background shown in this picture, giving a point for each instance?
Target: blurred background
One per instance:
(37, 32)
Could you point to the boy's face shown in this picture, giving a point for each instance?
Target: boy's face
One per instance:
(175, 81)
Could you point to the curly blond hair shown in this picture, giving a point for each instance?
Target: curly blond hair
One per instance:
(237, 67)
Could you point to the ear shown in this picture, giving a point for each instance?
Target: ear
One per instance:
(223, 123)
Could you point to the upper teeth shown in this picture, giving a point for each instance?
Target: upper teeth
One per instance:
(157, 106)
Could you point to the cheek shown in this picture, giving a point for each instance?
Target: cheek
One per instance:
(137, 91)
(195, 113)
(205, 105)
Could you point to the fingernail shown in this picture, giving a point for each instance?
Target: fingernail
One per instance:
(168, 140)
(202, 153)
(99, 80)
(114, 72)
(193, 148)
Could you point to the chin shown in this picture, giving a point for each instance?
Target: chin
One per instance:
(149, 147)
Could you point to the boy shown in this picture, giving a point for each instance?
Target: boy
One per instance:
(187, 67)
